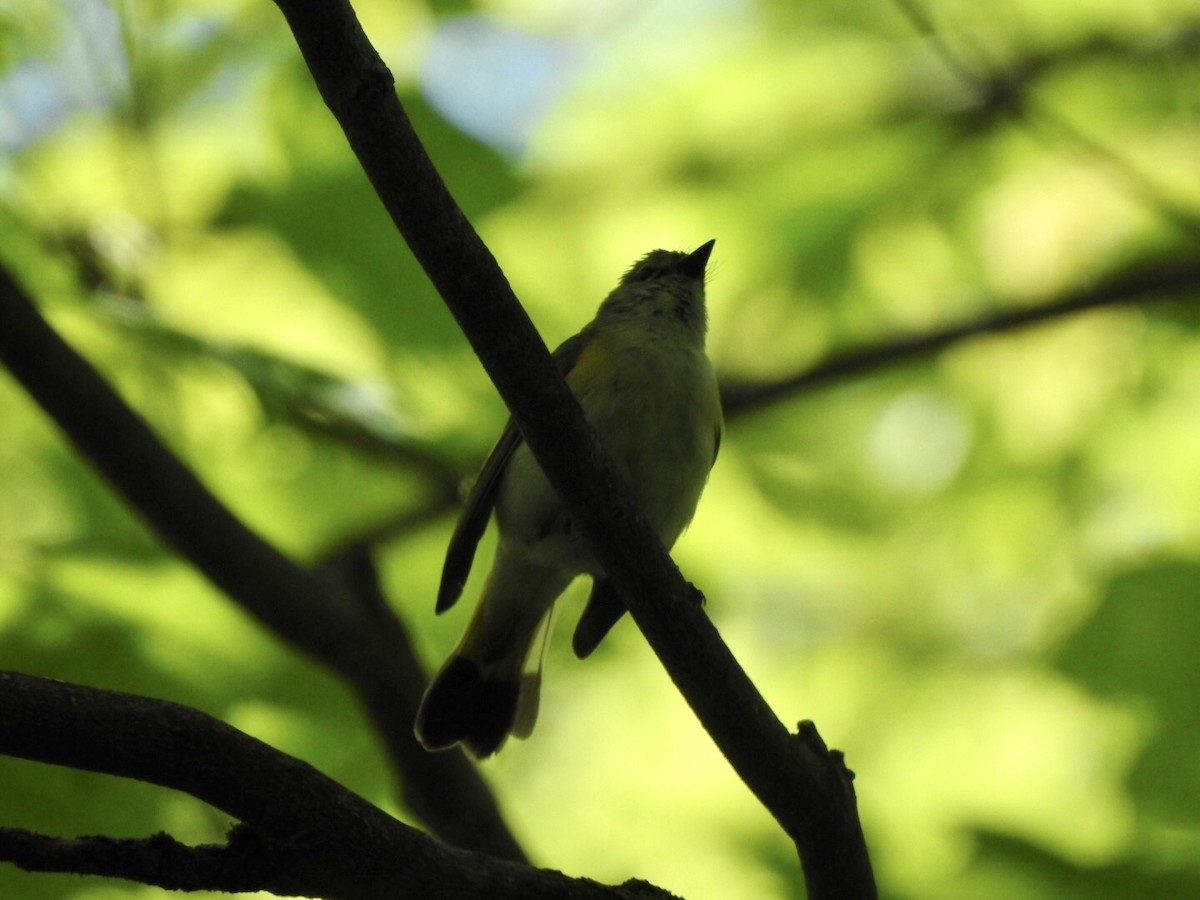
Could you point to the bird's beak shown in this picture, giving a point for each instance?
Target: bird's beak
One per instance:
(693, 264)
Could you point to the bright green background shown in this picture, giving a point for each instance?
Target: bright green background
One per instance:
(978, 573)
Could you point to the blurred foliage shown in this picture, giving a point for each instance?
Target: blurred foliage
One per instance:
(978, 573)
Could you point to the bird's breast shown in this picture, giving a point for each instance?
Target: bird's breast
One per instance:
(658, 416)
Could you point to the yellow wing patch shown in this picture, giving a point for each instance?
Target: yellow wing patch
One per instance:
(594, 363)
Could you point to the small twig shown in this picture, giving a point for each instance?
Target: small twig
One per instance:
(307, 398)
(1152, 195)
(1001, 91)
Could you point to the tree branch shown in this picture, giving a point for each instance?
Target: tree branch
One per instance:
(303, 834)
(319, 616)
(159, 860)
(804, 786)
(1161, 281)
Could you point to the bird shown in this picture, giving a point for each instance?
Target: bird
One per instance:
(642, 376)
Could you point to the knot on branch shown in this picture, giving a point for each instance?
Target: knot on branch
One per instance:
(637, 889)
(370, 85)
(833, 762)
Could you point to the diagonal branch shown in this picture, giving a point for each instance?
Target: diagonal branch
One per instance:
(803, 785)
(302, 834)
(1160, 281)
(321, 617)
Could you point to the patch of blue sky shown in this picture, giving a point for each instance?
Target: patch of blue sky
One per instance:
(85, 69)
(496, 81)
(85, 66)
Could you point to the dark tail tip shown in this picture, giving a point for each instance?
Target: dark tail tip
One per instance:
(461, 706)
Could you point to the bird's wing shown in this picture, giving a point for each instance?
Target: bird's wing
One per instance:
(472, 522)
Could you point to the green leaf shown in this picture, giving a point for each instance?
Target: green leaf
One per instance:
(1140, 648)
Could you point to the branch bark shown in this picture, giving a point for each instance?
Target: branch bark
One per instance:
(805, 787)
(159, 860)
(302, 834)
(321, 616)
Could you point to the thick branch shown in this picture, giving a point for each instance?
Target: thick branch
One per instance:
(319, 827)
(302, 834)
(1161, 281)
(804, 787)
(318, 616)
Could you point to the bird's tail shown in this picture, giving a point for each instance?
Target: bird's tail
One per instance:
(486, 690)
